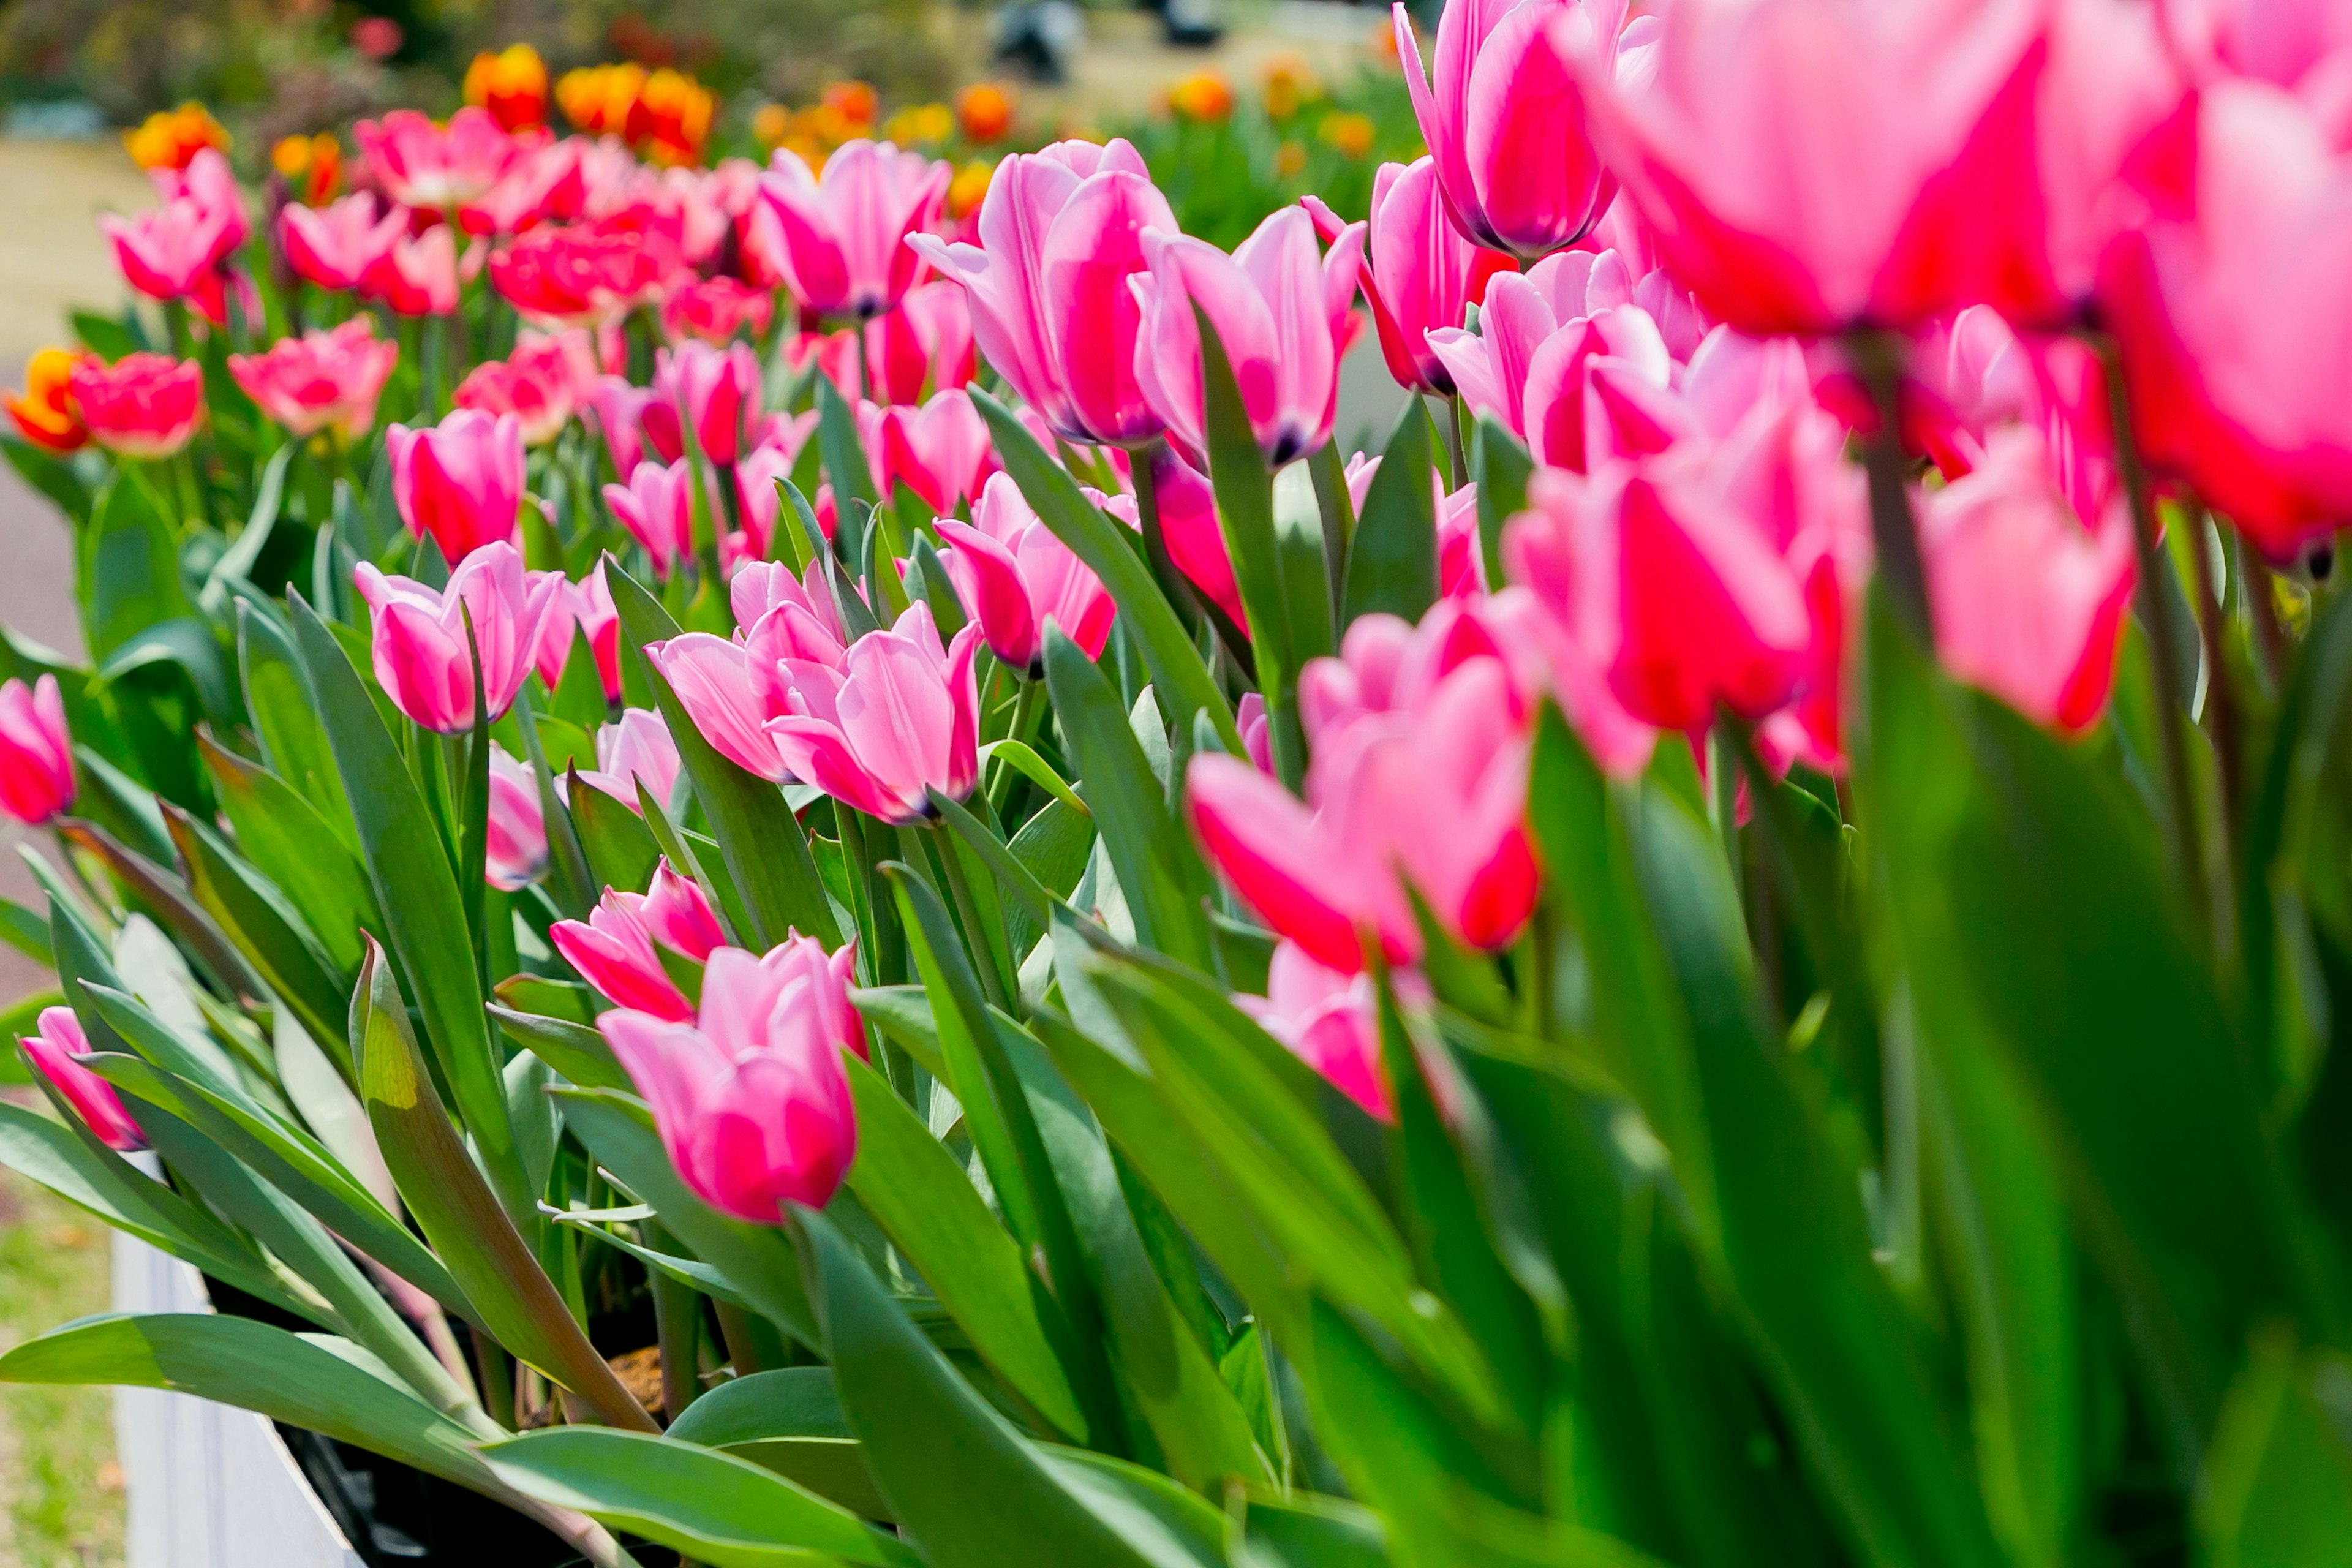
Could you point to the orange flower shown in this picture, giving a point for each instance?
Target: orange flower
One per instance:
(855, 101)
(312, 166)
(510, 84)
(169, 138)
(968, 187)
(771, 123)
(44, 411)
(920, 123)
(597, 99)
(1350, 133)
(1205, 96)
(675, 123)
(1290, 83)
(985, 112)
(1289, 160)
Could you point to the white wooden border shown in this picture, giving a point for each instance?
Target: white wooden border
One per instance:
(208, 1486)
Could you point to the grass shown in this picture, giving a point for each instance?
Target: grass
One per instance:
(60, 1493)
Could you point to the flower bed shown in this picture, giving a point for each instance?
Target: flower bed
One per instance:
(1731, 949)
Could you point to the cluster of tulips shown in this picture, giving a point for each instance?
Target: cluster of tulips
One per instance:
(1737, 944)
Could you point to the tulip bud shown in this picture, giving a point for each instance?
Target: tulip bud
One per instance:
(36, 775)
(52, 1049)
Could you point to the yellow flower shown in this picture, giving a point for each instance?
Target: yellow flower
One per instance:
(771, 123)
(169, 138)
(1290, 160)
(1290, 83)
(968, 187)
(510, 84)
(1204, 96)
(920, 123)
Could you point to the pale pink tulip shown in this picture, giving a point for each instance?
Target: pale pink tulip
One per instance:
(752, 1099)
(1015, 575)
(1281, 312)
(421, 164)
(415, 276)
(515, 847)
(1505, 117)
(459, 481)
(1048, 284)
(1329, 1020)
(52, 1049)
(636, 750)
(2306, 49)
(844, 251)
(616, 409)
(419, 639)
(1420, 275)
(173, 252)
(730, 695)
(143, 405)
(36, 771)
(657, 506)
(320, 381)
(2029, 600)
(335, 246)
(899, 717)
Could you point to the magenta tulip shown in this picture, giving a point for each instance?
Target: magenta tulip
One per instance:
(616, 408)
(941, 451)
(637, 750)
(335, 246)
(898, 718)
(170, 252)
(422, 165)
(758, 471)
(715, 391)
(320, 381)
(36, 771)
(1505, 117)
(615, 948)
(459, 481)
(540, 383)
(1015, 575)
(752, 1099)
(415, 276)
(143, 405)
(1281, 311)
(2029, 599)
(419, 639)
(1049, 284)
(844, 251)
(1327, 1019)
(515, 846)
(52, 1049)
(657, 506)
(1420, 275)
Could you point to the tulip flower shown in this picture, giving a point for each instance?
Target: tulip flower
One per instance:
(1015, 574)
(898, 718)
(143, 405)
(752, 1099)
(1281, 312)
(1808, 165)
(2234, 326)
(614, 949)
(416, 277)
(1420, 275)
(173, 251)
(515, 846)
(657, 506)
(52, 1049)
(716, 391)
(460, 481)
(1188, 527)
(37, 776)
(2299, 48)
(419, 645)
(637, 750)
(334, 245)
(760, 504)
(539, 384)
(586, 274)
(1047, 286)
(1505, 117)
(1330, 1019)
(584, 607)
(926, 342)
(941, 451)
(421, 164)
(717, 310)
(844, 251)
(44, 411)
(2029, 599)
(320, 381)
(544, 182)
(511, 84)
(730, 694)
(615, 408)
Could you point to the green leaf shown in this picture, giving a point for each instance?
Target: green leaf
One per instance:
(423, 905)
(1393, 564)
(236, 561)
(621, 849)
(282, 834)
(765, 846)
(511, 1294)
(265, 926)
(575, 1050)
(845, 457)
(168, 897)
(187, 644)
(1183, 680)
(2277, 1486)
(129, 567)
(1502, 467)
(293, 741)
(789, 1420)
(713, 1507)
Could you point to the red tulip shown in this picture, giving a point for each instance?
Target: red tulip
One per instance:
(416, 277)
(717, 310)
(143, 405)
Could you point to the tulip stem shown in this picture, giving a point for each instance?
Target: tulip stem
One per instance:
(1001, 772)
(1457, 461)
(2156, 609)
(2221, 695)
(1143, 465)
(982, 941)
(1877, 359)
(1723, 797)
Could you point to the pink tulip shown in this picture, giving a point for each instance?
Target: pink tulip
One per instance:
(637, 750)
(756, 474)
(844, 251)
(541, 183)
(172, 252)
(320, 381)
(1048, 285)
(657, 506)
(1420, 275)
(1505, 117)
(2029, 601)
(716, 311)
(419, 644)
(415, 276)
(1281, 312)
(716, 391)
(1189, 525)
(1329, 1019)
(585, 275)
(941, 451)
(421, 164)
(926, 342)
(898, 718)
(759, 587)
(728, 694)
(209, 183)
(1016, 575)
(2304, 49)
(1974, 375)
(586, 608)
(53, 1049)
(2236, 332)
(459, 481)
(751, 1100)
(143, 405)
(515, 845)
(2112, 101)
(540, 383)
(615, 408)
(614, 949)
(1806, 165)
(335, 246)
(36, 775)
